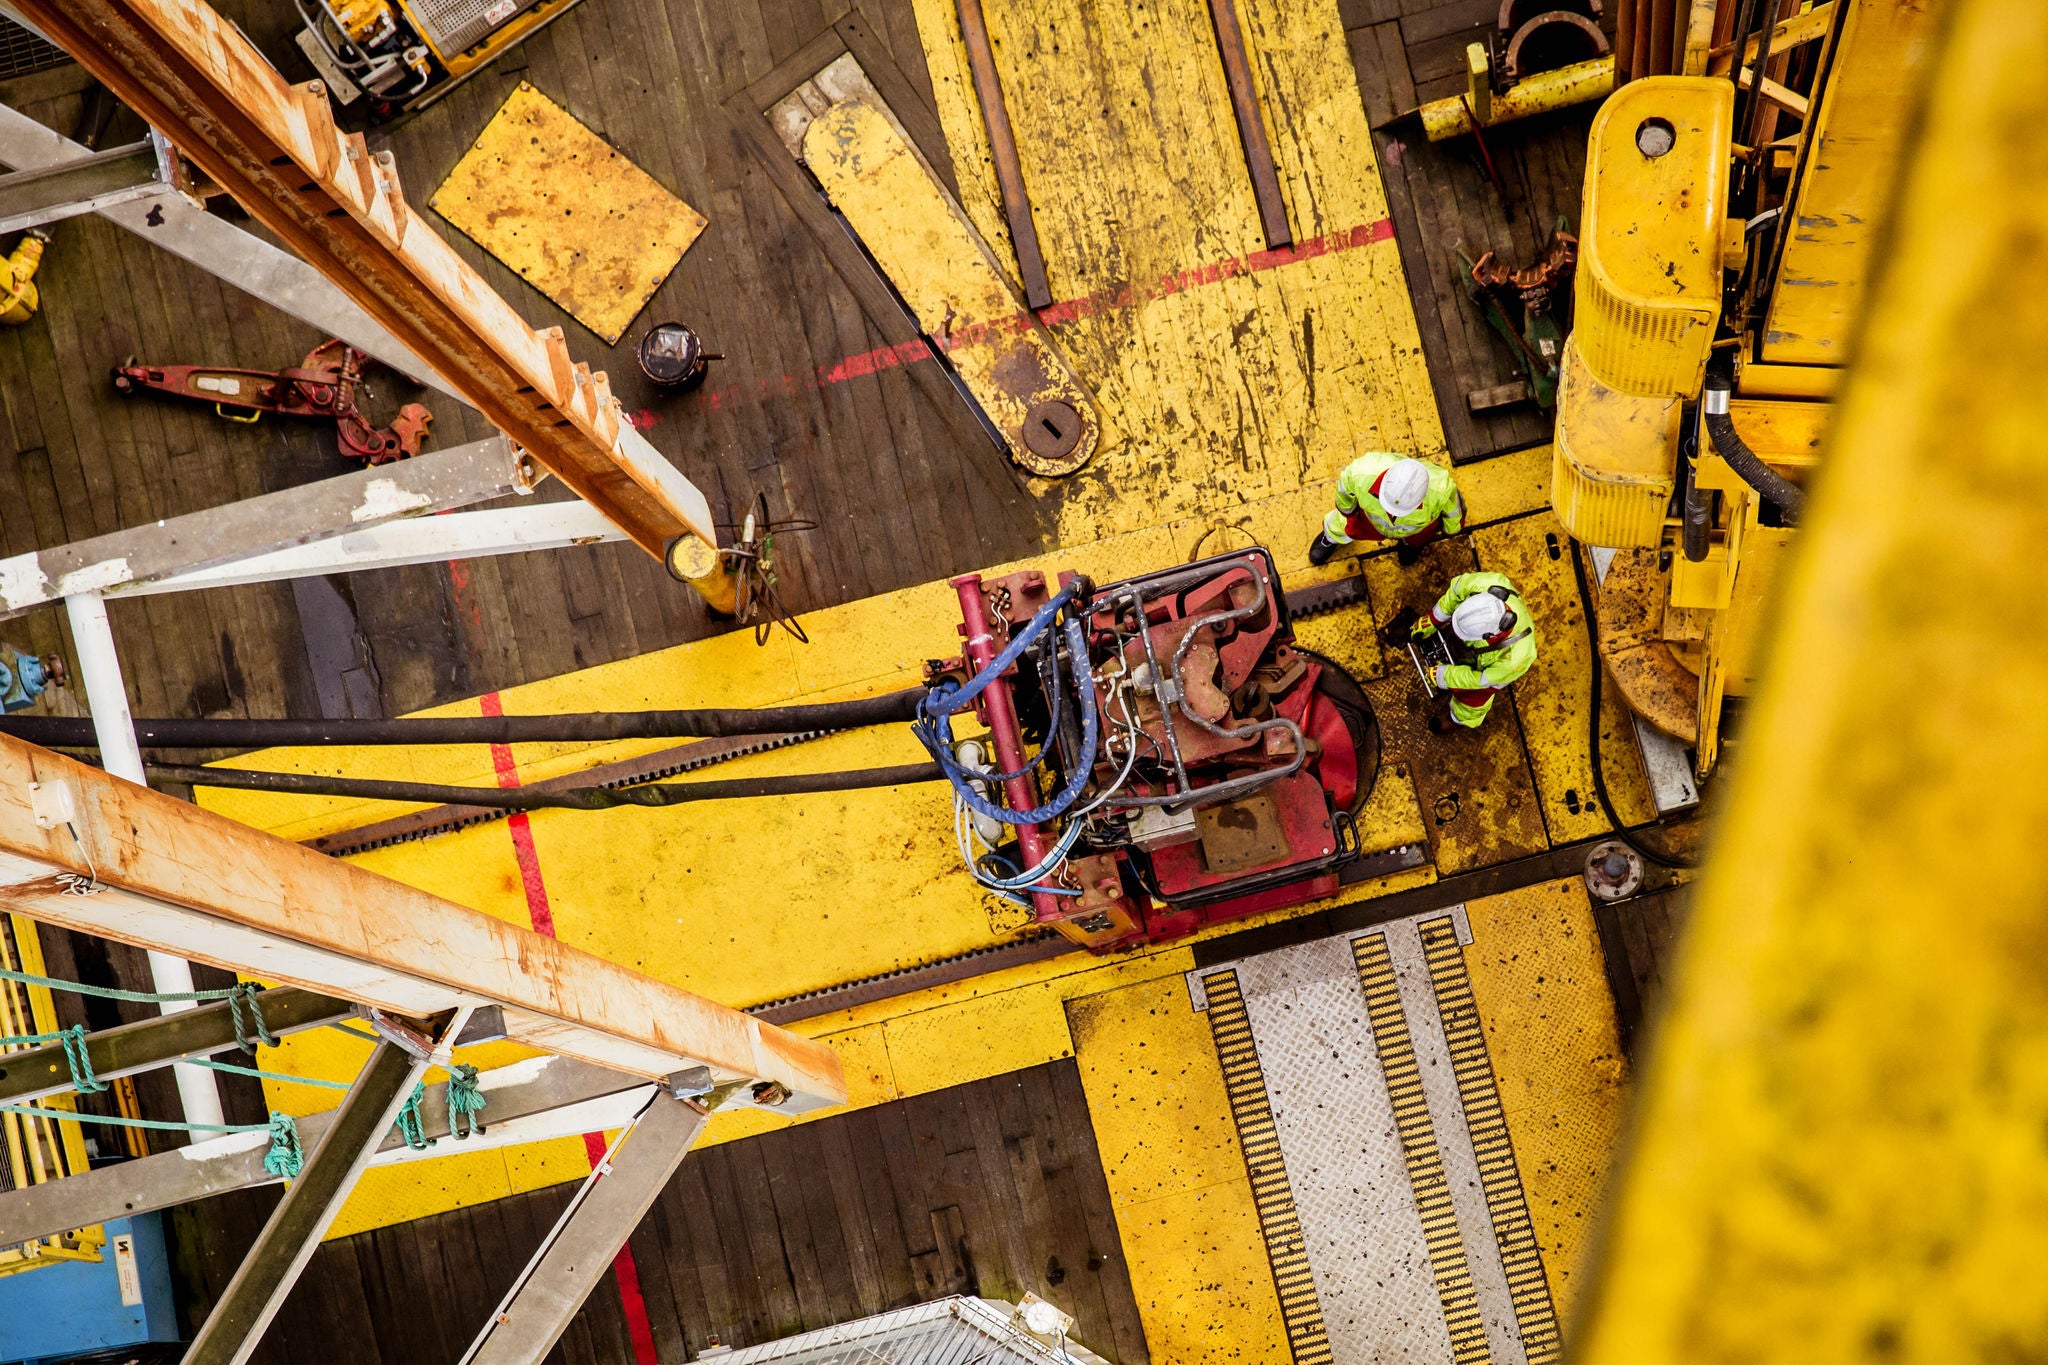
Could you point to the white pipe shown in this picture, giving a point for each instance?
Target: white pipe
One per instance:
(99, 668)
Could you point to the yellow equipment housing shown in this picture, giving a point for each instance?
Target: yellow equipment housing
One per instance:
(1648, 296)
(464, 35)
(18, 297)
(1660, 260)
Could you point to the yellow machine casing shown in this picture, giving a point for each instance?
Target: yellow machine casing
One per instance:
(1612, 466)
(1650, 245)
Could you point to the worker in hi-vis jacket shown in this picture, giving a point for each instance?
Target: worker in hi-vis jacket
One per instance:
(1384, 496)
(1493, 642)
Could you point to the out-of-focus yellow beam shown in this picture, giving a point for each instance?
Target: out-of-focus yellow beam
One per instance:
(1842, 1147)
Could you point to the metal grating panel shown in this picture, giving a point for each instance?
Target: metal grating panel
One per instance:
(1506, 1203)
(22, 52)
(955, 1331)
(1418, 1141)
(455, 26)
(1259, 1137)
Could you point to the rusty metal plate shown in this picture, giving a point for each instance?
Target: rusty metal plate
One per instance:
(1243, 834)
(576, 219)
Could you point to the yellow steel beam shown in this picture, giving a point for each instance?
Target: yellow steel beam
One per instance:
(275, 148)
(1839, 1151)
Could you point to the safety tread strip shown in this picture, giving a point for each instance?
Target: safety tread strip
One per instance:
(1418, 1143)
(1300, 1310)
(1506, 1201)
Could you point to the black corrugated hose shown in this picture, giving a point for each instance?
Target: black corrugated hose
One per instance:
(76, 732)
(1774, 488)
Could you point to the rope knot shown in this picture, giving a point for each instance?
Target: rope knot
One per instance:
(79, 1061)
(465, 1102)
(285, 1157)
(408, 1122)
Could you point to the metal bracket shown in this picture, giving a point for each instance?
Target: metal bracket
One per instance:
(407, 1034)
(690, 1082)
(486, 1024)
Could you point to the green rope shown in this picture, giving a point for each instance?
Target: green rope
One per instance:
(408, 1123)
(246, 1010)
(66, 1116)
(286, 1157)
(82, 1078)
(465, 1102)
(270, 1075)
(110, 993)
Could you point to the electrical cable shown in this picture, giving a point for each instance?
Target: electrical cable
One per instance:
(1621, 830)
(76, 732)
(529, 798)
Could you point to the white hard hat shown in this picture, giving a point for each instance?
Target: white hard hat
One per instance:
(1478, 616)
(1403, 487)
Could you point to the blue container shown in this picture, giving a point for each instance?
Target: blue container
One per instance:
(71, 1308)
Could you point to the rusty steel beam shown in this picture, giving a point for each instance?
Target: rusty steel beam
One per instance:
(276, 149)
(1251, 125)
(1002, 146)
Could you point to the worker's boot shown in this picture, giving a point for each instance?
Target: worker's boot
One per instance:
(1321, 549)
(1440, 722)
(1405, 554)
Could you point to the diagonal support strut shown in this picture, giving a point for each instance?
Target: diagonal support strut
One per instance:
(236, 1326)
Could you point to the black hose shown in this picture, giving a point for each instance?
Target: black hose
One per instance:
(1621, 830)
(76, 732)
(530, 798)
(1773, 487)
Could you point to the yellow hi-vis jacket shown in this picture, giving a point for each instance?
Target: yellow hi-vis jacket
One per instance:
(1355, 494)
(1496, 664)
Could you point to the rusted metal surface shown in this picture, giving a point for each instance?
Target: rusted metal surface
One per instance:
(1652, 680)
(964, 967)
(1251, 124)
(323, 386)
(1002, 146)
(1052, 429)
(1539, 44)
(276, 149)
(1515, 13)
(578, 221)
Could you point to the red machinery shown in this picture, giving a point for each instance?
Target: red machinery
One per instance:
(1225, 763)
(324, 386)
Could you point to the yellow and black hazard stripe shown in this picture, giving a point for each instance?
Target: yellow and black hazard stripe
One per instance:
(1418, 1145)
(1535, 1315)
(1256, 1133)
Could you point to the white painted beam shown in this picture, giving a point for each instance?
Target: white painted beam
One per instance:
(407, 540)
(244, 260)
(457, 477)
(99, 670)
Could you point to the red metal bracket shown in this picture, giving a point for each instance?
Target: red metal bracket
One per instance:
(324, 386)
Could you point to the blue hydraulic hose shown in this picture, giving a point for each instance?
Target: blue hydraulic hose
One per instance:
(935, 728)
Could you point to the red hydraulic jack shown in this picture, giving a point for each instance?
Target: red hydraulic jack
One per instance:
(324, 386)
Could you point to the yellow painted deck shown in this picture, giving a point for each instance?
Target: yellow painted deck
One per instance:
(578, 221)
(1237, 383)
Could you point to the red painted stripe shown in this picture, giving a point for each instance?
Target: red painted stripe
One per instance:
(538, 909)
(1065, 310)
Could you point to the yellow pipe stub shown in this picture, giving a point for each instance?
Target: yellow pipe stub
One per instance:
(956, 287)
